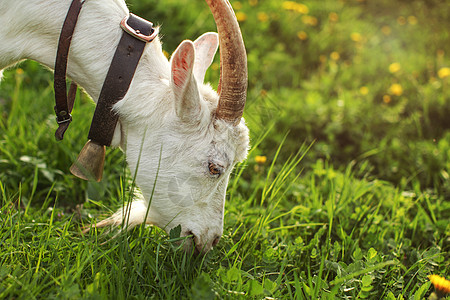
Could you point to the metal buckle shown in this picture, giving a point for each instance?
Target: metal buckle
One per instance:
(136, 33)
(63, 117)
(69, 119)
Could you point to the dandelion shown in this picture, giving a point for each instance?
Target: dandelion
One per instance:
(401, 20)
(333, 17)
(19, 71)
(396, 89)
(441, 286)
(309, 20)
(356, 37)
(289, 5)
(394, 67)
(443, 73)
(386, 30)
(260, 159)
(363, 90)
(241, 17)
(263, 17)
(237, 5)
(297, 7)
(387, 99)
(302, 35)
(215, 66)
(412, 20)
(335, 56)
(263, 93)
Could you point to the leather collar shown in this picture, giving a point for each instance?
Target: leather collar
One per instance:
(137, 32)
(64, 103)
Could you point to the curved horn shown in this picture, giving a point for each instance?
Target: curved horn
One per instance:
(233, 63)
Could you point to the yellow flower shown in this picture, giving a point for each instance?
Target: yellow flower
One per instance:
(401, 20)
(386, 30)
(412, 20)
(289, 5)
(263, 93)
(215, 66)
(333, 17)
(356, 37)
(19, 71)
(394, 67)
(241, 17)
(302, 35)
(297, 7)
(263, 17)
(441, 285)
(303, 9)
(386, 99)
(444, 72)
(334, 55)
(396, 89)
(363, 90)
(260, 159)
(309, 20)
(237, 5)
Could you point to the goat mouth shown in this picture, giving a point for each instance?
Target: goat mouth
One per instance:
(193, 245)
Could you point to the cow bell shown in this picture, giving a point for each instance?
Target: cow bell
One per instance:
(90, 162)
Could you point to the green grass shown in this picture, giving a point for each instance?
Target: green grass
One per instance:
(353, 201)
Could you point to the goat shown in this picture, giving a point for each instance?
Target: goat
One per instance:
(177, 132)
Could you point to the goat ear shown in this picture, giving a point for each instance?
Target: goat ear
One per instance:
(205, 49)
(184, 86)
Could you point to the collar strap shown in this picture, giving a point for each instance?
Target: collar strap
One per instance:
(137, 33)
(119, 76)
(64, 102)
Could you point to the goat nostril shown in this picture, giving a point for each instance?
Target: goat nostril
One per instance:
(195, 240)
(216, 241)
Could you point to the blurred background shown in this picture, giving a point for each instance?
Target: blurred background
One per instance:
(366, 81)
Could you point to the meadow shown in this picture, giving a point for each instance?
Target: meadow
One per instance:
(345, 193)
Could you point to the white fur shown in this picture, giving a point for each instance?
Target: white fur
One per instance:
(167, 130)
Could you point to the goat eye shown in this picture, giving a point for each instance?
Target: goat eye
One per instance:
(214, 169)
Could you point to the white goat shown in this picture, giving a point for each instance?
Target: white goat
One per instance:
(168, 117)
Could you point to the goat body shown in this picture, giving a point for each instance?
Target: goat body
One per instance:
(167, 118)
